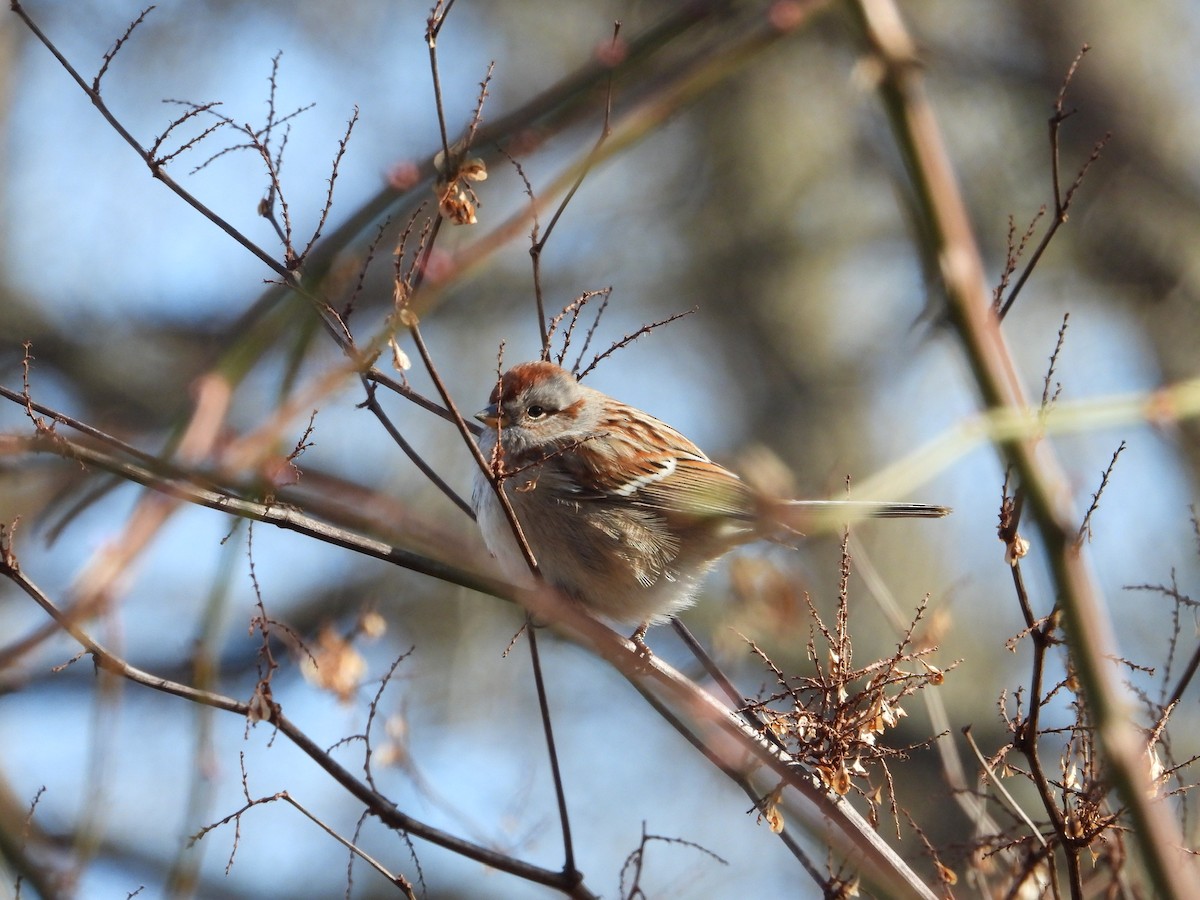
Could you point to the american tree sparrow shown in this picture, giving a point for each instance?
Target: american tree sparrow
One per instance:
(622, 512)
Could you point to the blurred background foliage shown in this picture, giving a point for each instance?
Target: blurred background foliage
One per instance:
(772, 201)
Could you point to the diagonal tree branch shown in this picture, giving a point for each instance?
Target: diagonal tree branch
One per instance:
(954, 253)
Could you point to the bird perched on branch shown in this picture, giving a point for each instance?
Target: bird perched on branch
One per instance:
(622, 512)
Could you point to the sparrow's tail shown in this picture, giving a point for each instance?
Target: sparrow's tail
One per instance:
(804, 515)
(872, 509)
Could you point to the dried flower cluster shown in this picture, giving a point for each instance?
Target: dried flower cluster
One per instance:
(832, 721)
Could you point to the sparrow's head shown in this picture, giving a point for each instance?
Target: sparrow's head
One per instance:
(537, 404)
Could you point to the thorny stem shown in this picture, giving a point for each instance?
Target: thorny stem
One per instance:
(1189, 673)
(1029, 729)
(1062, 202)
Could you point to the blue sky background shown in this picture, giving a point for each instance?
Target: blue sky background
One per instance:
(94, 246)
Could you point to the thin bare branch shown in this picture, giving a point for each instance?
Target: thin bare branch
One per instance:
(1062, 202)
(116, 48)
(372, 403)
(437, 18)
(605, 297)
(539, 244)
(630, 338)
(1085, 527)
(1048, 396)
(333, 174)
(192, 112)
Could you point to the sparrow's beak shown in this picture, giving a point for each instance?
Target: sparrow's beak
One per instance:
(489, 416)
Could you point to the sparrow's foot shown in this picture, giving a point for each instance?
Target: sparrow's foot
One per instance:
(639, 640)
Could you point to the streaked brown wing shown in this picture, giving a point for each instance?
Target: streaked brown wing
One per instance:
(702, 489)
(675, 478)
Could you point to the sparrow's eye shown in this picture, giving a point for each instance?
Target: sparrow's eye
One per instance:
(536, 412)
